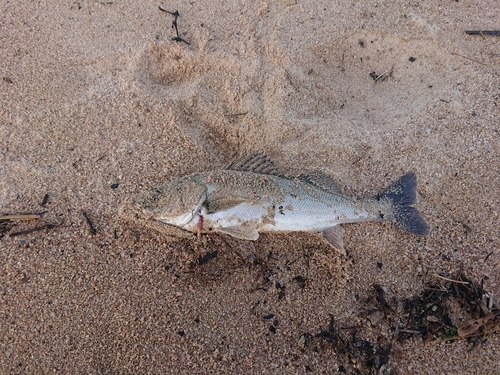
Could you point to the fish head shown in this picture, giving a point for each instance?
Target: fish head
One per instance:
(176, 203)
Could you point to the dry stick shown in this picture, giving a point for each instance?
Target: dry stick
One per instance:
(409, 331)
(483, 32)
(206, 258)
(236, 114)
(174, 25)
(453, 281)
(91, 226)
(382, 75)
(20, 217)
(291, 80)
(468, 58)
(20, 233)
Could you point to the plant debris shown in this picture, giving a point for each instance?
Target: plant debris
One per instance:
(346, 341)
(204, 259)
(4, 227)
(89, 223)
(429, 313)
(27, 231)
(483, 32)
(382, 77)
(176, 15)
(20, 217)
(468, 328)
(45, 200)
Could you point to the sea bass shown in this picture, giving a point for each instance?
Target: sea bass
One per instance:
(251, 196)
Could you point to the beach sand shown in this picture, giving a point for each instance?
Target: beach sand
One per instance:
(98, 103)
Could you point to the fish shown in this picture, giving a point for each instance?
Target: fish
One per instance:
(250, 196)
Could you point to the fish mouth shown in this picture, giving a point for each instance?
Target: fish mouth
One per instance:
(184, 219)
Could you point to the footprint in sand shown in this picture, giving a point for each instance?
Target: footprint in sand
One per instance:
(212, 97)
(352, 88)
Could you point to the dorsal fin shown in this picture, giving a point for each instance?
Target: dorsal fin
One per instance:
(256, 163)
(320, 180)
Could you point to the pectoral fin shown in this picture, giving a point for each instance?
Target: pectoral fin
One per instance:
(334, 236)
(243, 232)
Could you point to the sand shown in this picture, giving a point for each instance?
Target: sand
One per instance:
(98, 103)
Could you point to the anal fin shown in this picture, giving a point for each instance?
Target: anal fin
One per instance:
(334, 236)
(243, 232)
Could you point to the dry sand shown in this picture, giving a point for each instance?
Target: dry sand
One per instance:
(96, 93)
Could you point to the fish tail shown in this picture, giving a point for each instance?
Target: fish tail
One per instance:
(402, 194)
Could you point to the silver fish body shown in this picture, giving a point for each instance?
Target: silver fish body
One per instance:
(272, 203)
(250, 196)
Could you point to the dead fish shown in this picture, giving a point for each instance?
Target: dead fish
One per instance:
(251, 196)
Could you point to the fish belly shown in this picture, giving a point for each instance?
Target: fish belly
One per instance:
(290, 215)
(309, 215)
(288, 206)
(242, 214)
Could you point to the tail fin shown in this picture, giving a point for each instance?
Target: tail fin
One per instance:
(403, 195)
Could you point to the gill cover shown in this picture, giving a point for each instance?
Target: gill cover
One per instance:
(179, 202)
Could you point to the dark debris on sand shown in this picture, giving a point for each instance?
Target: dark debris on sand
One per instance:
(428, 315)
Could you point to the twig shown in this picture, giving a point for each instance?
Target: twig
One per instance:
(483, 32)
(174, 25)
(291, 80)
(20, 217)
(453, 281)
(382, 76)
(206, 258)
(468, 58)
(410, 331)
(20, 233)
(91, 226)
(236, 114)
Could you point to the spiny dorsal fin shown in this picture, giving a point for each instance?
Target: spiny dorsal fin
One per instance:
(256, 163)
(320, 180)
